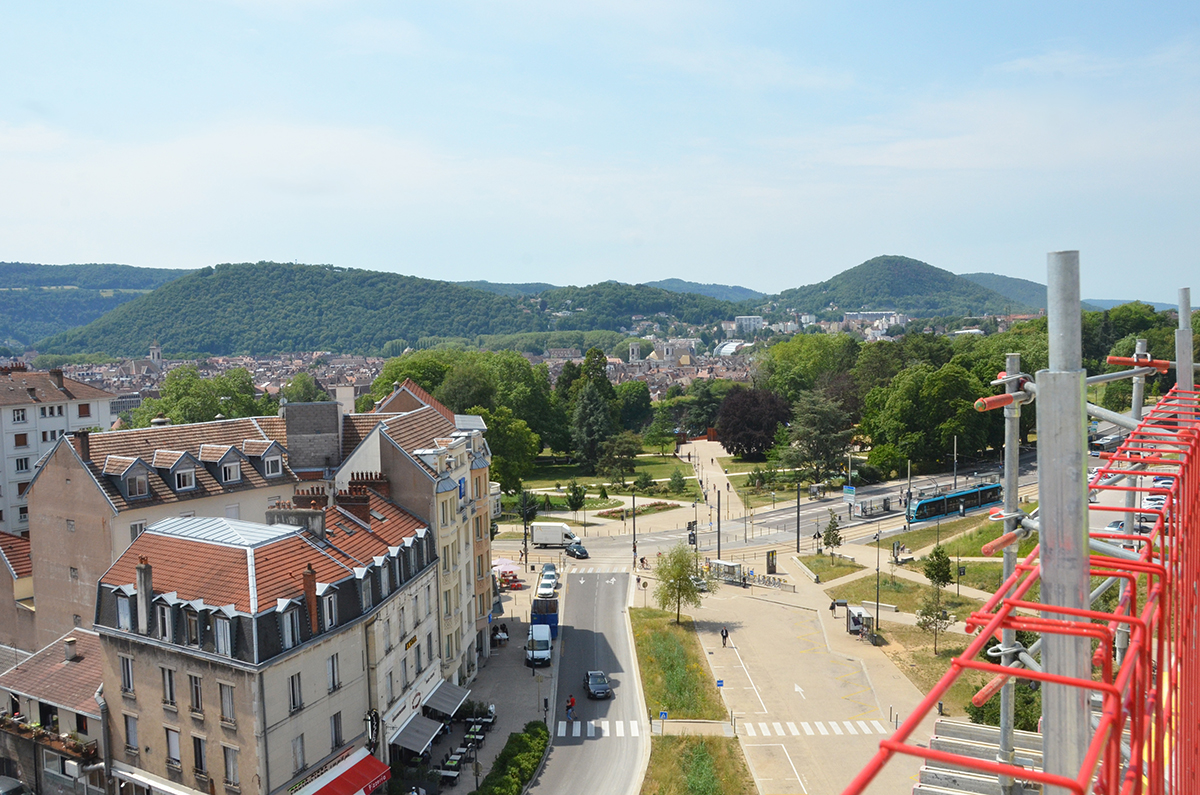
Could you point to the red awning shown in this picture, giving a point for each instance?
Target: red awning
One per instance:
(359, 776)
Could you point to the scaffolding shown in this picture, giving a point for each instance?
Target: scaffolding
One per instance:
(1120, 690)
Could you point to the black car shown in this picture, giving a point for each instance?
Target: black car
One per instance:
(576, 551)
(597, 685)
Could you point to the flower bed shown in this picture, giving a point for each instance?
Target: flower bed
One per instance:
(650, 507)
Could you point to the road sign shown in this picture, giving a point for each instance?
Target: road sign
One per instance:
(662, 715)
(720, 683)
(962, 571)
(848, 494)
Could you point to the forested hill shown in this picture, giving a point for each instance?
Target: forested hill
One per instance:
(270, 307)
(1022, 291)
(510, 290)
(903, 284)
(610, 305)
(86, 277)
(723, 292)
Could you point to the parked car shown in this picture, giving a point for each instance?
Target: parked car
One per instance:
(10, 786)
(577, 551)
(700, 584)
(545, 589)
(597, 685)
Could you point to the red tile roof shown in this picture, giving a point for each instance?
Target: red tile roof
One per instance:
(355, 428)
(409, 396)
(16, 551)
(49, 676)
(418, 430)
(15, 386)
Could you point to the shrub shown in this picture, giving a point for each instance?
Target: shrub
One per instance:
(516, 763)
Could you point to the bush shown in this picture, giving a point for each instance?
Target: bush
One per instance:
(643, 482)
(516, 763)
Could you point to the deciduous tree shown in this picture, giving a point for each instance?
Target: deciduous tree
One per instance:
(748, 419)
(676, 587)
(619, 456)
(820, 434)
(514, 446)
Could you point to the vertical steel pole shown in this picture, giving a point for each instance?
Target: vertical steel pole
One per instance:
(955, 462)
(1008, 637)
(1185, 374)
(797, 514)
(1131, 525)
(1062, 487)
(633, 504)
(718, 524)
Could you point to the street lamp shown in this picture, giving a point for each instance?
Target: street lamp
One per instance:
(878, 544)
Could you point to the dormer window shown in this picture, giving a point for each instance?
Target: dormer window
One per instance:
(185, 480)
(191, 623)
(138, 485)
(291, 628)
(273, 467)
(124, 613)
(368, 597)
(329, 608)
(231, 472)
(163, 614)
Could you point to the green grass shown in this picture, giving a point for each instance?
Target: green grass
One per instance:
(547, 475)
(970, 544)
(911, 649)
(697, 766)
(674, 672)
(926, 535)
(828, 568)
(904, 594)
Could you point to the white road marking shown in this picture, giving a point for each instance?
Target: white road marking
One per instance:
(766, 730)
(792, 728)
(850, 727)
(633, 728)
(836, 729)
(575, 728)
(879, 727)
(862, 724)
(750, 729)
(807, 729)
(751, 681)
(778, 728)
(620, 727)
(591, 732)
(562, 728)
(604, 728)
(821, 728)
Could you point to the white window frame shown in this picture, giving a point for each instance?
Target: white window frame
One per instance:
(136, 529)
(19, 415)
(298, 761)
(191, 628)
(199, 754)
(168, 684)
(173, 746)
(163, 614)
(336, 740)
(124, 613)
(227, 704)
(273, 466)
(333, 672)
(185, 480)
(230, 756)
(131, 734)
(295, 693)
(223, 636)
(137, 485)
(126, 674)
(21, 464)
(385, 578)
(231, 472)
(368, 593)
(291, 627)
(404, 672)
(196, 693)
(329, 610)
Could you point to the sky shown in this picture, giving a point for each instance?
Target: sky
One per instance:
(769, 145)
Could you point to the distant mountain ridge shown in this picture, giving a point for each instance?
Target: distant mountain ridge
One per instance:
(723, 292)
(1020, 290)
(903, 284)
(514, 290)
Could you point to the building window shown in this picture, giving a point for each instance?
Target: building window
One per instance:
(404, 673)
(85, 410)
(446, 558)
(131, 736)
(291, 628)
(168, 683)
(18, 415)
(163, 614)
(478, 528)
(231, 765)
(22, 513)
(185, 479)
(428, 600)
(126, 674)
(135, 530)
(198, 754)
(295, 694)
(138, 485)
(387, 635)
(195, 684)
(173, 747)
(20, 440)
(222, 636)
(226, 703)
(385, 578)
(273, 467)
(81, 726)
(191, 623)
(124, 616)
(22, 464)
(333, 670)
(70, 525)
(419, 667)
(449, 647)
(368, 598)
(21, 488)
(329, 609)
(298, 754)
(446, 602)
(335, 731)
(402, 624)
(231, 473)
(479, 567)
(429, 645)
(445, 506)
(391, 688)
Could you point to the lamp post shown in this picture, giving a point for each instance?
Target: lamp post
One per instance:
(797, 515)
(878, 544)
(634, 505)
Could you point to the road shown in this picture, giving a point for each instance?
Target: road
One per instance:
(601, 750)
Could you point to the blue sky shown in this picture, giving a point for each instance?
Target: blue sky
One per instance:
(763, 144)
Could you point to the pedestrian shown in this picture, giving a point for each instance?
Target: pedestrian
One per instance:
(571, 707)
(724, 636)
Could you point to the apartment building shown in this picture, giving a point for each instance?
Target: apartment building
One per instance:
(233, 652)
(36, 410)
(437, 464)
(95, 493)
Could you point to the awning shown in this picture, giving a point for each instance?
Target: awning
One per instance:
(417, 734)
(447, 698)
(360, 774)
(154, 783)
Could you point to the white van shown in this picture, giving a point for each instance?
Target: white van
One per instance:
(538, 648)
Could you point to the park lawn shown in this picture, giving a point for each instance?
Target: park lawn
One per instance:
(970, 544)
(911, 649)
(928, 534)
(675, 675)
(733, 465)
(828, 568)
(690, 765)
(548, 475)
(904, 594)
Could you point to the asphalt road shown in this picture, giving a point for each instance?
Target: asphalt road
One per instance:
(601, 750)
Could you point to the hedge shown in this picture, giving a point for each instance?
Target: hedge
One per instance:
(516, 764)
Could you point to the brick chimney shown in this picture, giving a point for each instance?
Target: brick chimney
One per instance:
(56, 377)
(314, 498)
(309, 578)
(145, 593)
(376, 481)
(83, 445)
(356, 501)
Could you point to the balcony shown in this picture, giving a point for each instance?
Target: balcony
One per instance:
(65, 744)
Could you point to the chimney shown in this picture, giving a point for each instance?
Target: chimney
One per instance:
(376, 481)
(57, 377)
(356, 501)
(145, 593)
(312, 520)
(395, 386)
(309, 577)
(84, 447)
(69, 649)
(160, 421)
(313, 499)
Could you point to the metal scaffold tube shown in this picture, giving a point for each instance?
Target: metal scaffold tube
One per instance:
(1185, 372)
(1062, 498)
(1008, 638)
(1139, 395)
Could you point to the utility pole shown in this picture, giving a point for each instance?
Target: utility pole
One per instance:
(908, 500)
(797, 514)
(956, 462)
(718, 524)
(634, 504)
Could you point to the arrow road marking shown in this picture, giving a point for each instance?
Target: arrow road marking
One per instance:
(801, 692)
(611, 580)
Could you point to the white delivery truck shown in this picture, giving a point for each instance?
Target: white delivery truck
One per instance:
(552, 534)
(538, 648)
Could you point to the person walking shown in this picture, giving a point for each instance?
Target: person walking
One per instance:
(724, 636)
(571, 707)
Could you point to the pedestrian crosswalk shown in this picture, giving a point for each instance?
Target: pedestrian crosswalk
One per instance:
(598, 728)
(813, 729)
(597, 569)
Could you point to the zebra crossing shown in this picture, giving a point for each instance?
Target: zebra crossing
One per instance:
(599, 728)
(813, 729)
(596, 569)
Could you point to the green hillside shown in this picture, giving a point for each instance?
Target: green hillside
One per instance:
(509, 290)
(723, 292)
(270, 307)
(86, 277)
(1022, 291)
(611, 305)
(900, 283)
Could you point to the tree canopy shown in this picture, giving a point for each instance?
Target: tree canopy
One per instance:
(676, 587)
(187, 397)
(514, 446)
(748, 419)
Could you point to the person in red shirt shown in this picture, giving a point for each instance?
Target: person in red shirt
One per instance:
(571, 707)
